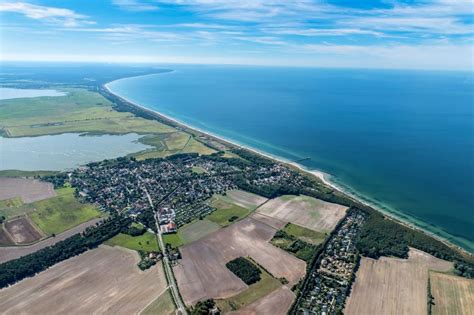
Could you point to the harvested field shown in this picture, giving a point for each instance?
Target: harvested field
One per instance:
(29, 190)
(452, 295)
(5, 239)
(400, 285)
(202, 272)
(273, 222)
(22, 230)
(245, 199)
(14, 252)
(276, 303)
(197, 230)
(105, 280)
(308, 212)
(163, 305)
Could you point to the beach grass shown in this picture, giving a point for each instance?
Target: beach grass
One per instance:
(60, 213)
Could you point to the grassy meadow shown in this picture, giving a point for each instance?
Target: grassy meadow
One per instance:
(146, 242)
(60, 213)
(226, 212)
(266, 285)
(304, 234)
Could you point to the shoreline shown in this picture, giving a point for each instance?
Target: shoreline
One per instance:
(322, 176)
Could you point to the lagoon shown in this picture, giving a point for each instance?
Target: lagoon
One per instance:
(10, 93)
(65, 151)
(401, 140)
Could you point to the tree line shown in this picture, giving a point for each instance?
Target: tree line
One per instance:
(27, 266)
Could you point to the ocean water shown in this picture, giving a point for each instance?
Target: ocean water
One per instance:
(402, 140)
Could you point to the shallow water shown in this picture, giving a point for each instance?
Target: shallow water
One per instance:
(9, 93)
(403, 140)
(60, 152)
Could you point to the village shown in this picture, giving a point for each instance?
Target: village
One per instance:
(178, 187)
(330, 281)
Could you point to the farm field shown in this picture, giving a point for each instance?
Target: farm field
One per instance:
(304, 234)
(28, 190)
(146, 242)
(254, 292)
(226, 212)
(452, 295)
(277, 302)
(234, 205)
(163, 305)
(400, 285)
(60, 213)
(245, 199)
(104, 280)
(202, 272)
(22, 231)
(311, 213)
(14, 252)
(197, 230)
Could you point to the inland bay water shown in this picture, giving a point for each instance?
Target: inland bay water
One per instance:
(401, 140)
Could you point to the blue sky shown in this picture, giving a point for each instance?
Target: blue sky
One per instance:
(339, 33)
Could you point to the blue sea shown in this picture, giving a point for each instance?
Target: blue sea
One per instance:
(401, 140)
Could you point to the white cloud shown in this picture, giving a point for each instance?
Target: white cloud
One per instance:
(65, 17)
(135, 5)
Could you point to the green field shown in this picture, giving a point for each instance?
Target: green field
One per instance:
(163, 305)
(198, 170)
(304, 234)
(78, 111)
(266, 285)
(60, 213)
(146, 242)
(18, 173)
(290, 240)
(173, 239)
(226, 212)
(170, 143)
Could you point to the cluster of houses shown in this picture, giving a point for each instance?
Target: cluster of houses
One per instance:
(330, 280)
(179, 194)
(167, 220)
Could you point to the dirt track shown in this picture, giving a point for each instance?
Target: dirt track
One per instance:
(14, 252)
(393, 286)
(105, 280)
(29, 190)
(202, 273)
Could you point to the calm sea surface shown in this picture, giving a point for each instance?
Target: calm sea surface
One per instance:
(402, 140)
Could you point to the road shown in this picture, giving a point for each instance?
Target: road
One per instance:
(166, 262)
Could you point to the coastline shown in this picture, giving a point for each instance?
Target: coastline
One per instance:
(322, 176)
